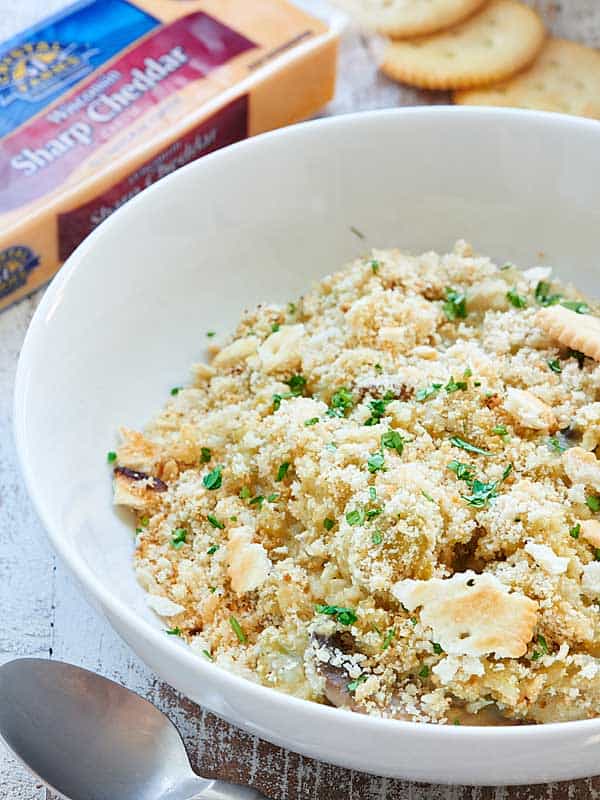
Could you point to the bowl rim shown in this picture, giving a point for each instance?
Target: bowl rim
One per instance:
(153, 636)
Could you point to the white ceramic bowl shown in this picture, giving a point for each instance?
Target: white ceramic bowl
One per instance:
(127, 315)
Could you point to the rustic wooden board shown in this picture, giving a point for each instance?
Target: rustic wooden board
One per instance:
(42, 612)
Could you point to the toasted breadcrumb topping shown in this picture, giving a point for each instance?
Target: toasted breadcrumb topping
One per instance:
(385, 495)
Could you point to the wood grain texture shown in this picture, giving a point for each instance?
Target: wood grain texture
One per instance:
(42, 612)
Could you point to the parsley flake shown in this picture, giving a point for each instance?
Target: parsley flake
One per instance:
(574, 531)
(353, 685)
(237, 629)
(377, 537)
(275, 327)
(174, 632)
(175, 390)
(577, 306)
(311, 421)
(376, 462)
(179, 538)
(516, 299)
(205, 455)
(543, 296)
(207, 655)
(215, 522)
(470, 448)
(355, 517)
(212, 549)
(429, 391)
(213, 479)
(341, 403)
(424, 671)
(555, 365)
(455, 386)
(543, 644)
(282, 471)
(388, 638)
(500, 430)
(455, 306)
(111, 456)
(593, 503)
(393, 441)
(328, 523)
(375, 264)
(345, 616)
(258, 500)
(272, 498)
(427, 496)
(378, 407)
(245, 493)
(464, 472)
(437, 648)
(555, 444)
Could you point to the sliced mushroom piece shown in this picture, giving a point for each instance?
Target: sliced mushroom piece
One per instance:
(333, 672)
(135, 475)
(136, 489)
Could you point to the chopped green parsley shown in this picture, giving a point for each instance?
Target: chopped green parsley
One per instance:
(376, 462)
(377, 537)
(345, 616)
(175, 390)
(215, 522)
(311, 421)
(282, 471)
(341, 403)
(516, 299)
(213, 479)
(174, 632)
(355, 517)
(470, 448)
(377, 408)
(593, 503)
(429, 391)
(555, 366)
(575, 531)
(353, 685)
(455, 305)
(205, 455)
(111, 456)
(212, 549)
(393, 441)
(237, 629)
(328, 523)
(179, 538)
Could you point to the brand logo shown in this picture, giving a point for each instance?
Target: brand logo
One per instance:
(34, 70)
(15, 265)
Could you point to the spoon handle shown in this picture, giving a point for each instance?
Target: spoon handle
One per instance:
(222, 790)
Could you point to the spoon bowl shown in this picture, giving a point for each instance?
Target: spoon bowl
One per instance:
(87, 736)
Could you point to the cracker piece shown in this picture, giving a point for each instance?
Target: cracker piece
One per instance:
(404, 18)
(503, 38)
(577, 331)
(472, 614)
(564, 78)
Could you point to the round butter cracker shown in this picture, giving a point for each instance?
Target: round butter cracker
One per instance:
(564, 78)
(577, 331)
(503, 38)
(404, 18)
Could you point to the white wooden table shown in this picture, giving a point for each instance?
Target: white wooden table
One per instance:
(43, 614)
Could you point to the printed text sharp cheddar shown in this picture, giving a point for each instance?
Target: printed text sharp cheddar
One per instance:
(102, 100)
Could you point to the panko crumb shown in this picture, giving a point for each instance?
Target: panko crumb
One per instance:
(385, 495)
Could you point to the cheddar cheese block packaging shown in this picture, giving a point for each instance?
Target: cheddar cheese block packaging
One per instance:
(103, 99)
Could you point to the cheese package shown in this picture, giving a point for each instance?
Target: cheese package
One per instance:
(103, 99)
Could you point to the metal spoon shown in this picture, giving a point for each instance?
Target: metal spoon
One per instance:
(89, 738)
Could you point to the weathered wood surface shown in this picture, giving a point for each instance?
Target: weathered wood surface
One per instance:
(42, 612)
